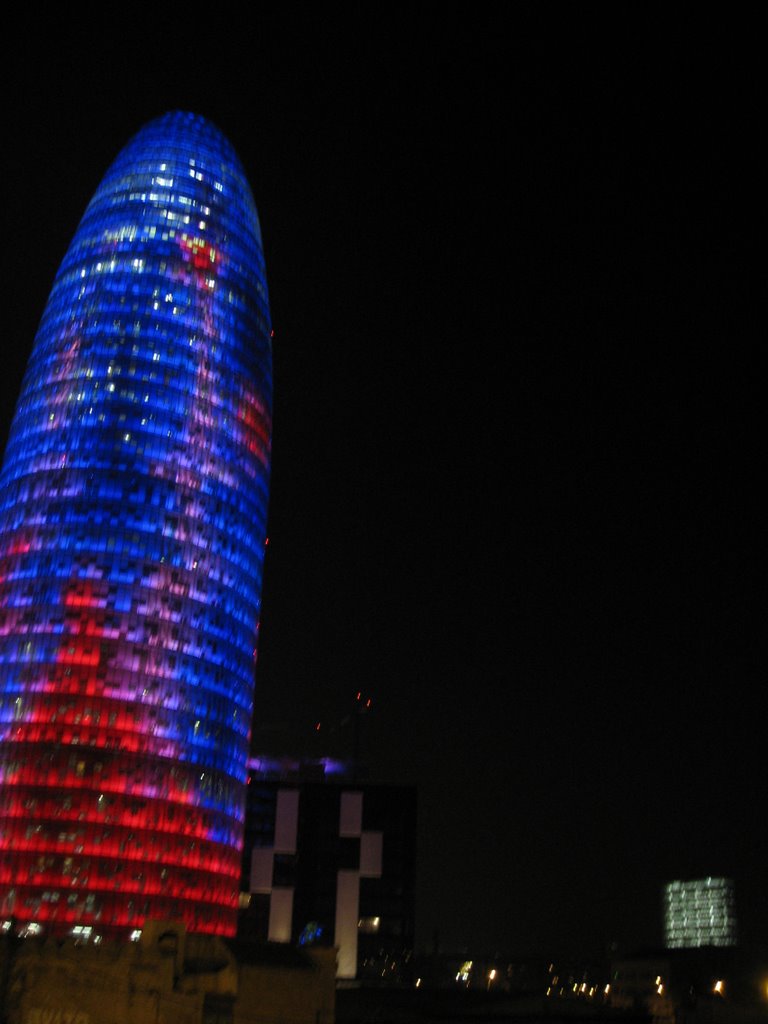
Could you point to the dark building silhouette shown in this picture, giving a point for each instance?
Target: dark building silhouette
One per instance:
(331, 860)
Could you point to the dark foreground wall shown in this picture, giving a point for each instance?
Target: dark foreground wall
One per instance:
(168, 977)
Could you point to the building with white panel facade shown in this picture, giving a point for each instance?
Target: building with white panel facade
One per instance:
(329, 860)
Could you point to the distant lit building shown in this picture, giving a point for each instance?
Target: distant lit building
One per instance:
(330, 861)
(699, 913)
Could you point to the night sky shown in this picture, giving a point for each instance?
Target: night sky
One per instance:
(518, 419)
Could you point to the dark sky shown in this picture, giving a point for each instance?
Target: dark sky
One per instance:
(518, 419)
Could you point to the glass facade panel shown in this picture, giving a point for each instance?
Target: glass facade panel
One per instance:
(133, 505)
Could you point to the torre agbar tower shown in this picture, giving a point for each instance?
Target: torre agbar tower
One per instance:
(133, 504)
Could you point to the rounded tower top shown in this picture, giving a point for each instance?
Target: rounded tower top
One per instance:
(186, 145)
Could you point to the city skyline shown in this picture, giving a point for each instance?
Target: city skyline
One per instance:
(516, 426)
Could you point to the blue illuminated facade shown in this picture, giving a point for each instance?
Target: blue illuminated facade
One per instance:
(133, 507)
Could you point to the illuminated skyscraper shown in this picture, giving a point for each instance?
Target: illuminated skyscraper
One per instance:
(133, 504)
